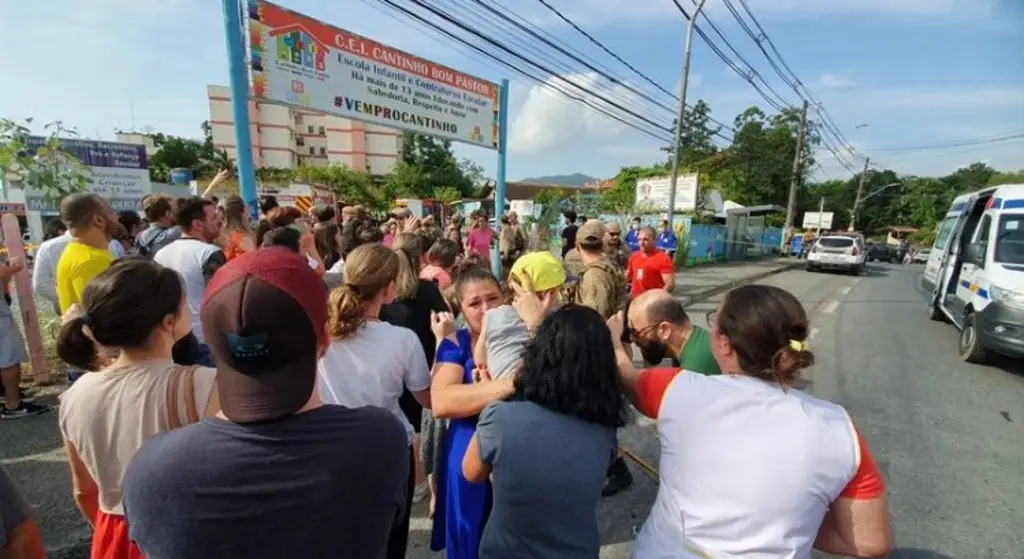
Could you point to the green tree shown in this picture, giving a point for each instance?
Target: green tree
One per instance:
(696, 137)
(621, 198)
(47, 168)
(428, 163)
(203, 158)
(348, 184)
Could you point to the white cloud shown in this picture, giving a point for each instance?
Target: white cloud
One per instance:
(835, 81)
(548, 119)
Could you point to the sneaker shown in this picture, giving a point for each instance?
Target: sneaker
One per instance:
(421, 492)
(24, 410)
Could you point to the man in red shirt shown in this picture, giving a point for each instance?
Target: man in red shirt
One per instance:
(649, 268)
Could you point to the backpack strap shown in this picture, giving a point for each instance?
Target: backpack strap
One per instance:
(188, 375)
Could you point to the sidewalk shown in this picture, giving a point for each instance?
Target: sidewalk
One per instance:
(700, 282)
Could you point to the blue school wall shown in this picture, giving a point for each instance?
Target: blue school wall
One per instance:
(709, 243)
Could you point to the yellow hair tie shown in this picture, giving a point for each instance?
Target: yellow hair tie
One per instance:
(800, 345)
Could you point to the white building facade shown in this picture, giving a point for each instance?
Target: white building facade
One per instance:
(284, 137)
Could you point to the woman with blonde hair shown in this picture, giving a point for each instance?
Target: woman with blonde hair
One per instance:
(137, 308)
(239, 239)
(415, 299)
(370, 362)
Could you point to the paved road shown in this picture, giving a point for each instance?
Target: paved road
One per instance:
(949, 437)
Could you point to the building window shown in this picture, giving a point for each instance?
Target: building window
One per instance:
(300, 141)
(312, 150)
(298, 118)
(323, 151)
(321, 131)
(310, 128)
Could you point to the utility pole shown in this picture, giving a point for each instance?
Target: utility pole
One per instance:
(679, 115)
(821, 214)
(860, 192)
(794, 181)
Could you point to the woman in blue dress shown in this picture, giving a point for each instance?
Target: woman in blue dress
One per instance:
(462, 507)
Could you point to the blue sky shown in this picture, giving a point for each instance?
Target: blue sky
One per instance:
(915, 71)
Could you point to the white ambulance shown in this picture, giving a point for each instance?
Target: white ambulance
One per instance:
(975, 272)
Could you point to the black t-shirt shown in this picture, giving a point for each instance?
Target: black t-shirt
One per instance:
(414, 314)
(569, 238)
(329, 482)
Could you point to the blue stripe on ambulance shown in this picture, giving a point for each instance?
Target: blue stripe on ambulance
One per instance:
(975, 288)
(1015, 204)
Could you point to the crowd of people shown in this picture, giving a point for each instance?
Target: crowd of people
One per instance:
(290, 388)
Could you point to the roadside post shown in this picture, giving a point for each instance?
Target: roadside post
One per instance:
(234, 34)
(499, 194)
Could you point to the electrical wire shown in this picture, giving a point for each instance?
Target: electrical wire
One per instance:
(747, 76)
(659, 132)
(997, 139)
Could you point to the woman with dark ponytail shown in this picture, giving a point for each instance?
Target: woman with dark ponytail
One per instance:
(136, 308)
(785, 462)
(371, 362)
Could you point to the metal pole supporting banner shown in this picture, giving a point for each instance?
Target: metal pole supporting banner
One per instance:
(234, 34)
(679, 116)
(499, 193)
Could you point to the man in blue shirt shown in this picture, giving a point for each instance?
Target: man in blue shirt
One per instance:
(633, 237)
(666, 240)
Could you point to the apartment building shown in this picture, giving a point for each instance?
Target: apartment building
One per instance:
(286, 138)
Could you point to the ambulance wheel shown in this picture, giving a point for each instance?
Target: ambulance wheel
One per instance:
(970, 344)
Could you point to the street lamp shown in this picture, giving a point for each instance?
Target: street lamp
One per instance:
(679, 115)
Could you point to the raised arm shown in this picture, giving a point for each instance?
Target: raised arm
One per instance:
(450, 397)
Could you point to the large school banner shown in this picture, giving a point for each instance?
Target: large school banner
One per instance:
(299, 61)
(119, 172)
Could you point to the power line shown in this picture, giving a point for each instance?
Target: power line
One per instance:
(608, 51)
(748, 76)
(663, 136)
(954, 144)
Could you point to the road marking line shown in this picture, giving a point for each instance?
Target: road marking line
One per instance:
(814, 332)
(844, 290)
(830, 306)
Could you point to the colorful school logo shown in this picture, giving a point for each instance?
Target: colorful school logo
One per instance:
(294, 45)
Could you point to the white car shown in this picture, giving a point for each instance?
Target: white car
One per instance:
(837, 252)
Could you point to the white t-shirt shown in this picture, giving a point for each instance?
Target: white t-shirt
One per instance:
(371, 367)
(193, 259)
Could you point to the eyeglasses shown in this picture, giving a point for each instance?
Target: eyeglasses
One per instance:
(635, 334)
(610, 234)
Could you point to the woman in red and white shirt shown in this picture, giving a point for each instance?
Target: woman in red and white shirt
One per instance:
(749, 466)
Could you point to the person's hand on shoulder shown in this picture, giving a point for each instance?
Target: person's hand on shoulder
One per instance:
(442, 324)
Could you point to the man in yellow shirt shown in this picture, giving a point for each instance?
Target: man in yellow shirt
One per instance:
(92, 223)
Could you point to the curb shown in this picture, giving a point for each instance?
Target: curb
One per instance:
(697, 297)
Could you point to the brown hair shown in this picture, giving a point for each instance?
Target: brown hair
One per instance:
(762, 322)
(443, 253)
(407, 246)
(283, 216)
(369, 269)
(156, 206)
(234, 214)
(77, 210)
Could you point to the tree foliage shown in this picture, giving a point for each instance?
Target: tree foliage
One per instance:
(428, 164)
(47, 168)
(202, 157)
(757, 168)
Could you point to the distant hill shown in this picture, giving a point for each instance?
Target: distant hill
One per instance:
(575, 179)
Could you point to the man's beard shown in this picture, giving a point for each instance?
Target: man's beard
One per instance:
(653, 351)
